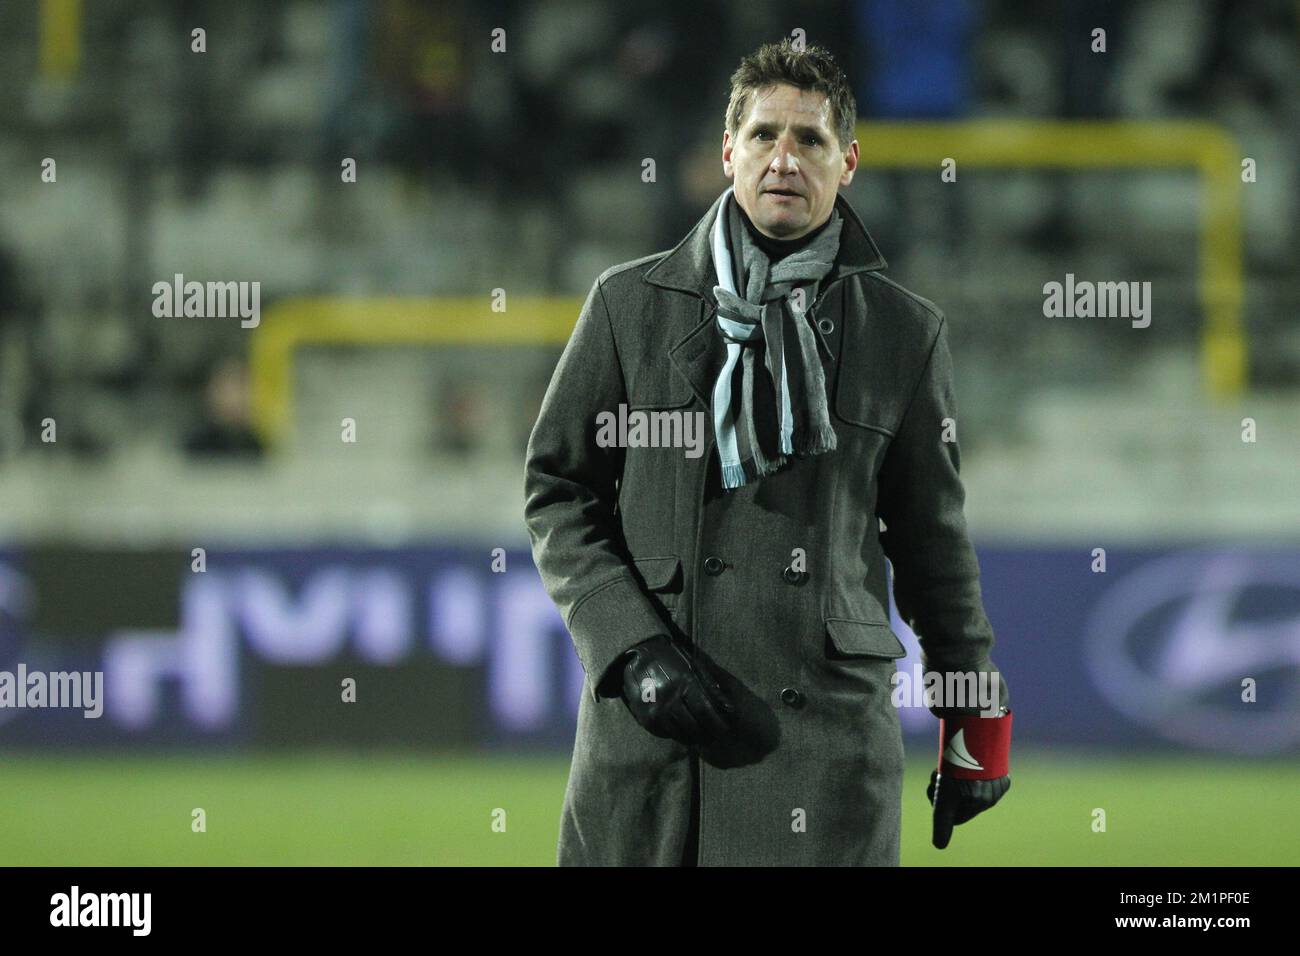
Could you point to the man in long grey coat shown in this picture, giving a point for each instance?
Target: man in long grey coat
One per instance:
(738, 434)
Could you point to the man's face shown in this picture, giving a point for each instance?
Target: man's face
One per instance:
(787, 164)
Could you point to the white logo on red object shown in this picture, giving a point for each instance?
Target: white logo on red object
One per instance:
(957, 754)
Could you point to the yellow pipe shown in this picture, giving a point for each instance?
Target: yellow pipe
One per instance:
(60, 39)
(1203, 147)
(1100, 144)
(291, 323)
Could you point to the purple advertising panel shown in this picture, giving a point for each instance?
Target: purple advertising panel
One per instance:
(450, 647)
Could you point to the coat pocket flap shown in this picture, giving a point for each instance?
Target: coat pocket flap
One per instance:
(651, 403)
(659, 574)
(657, 387)
(863, 638)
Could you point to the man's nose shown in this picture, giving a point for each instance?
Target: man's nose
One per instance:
(784, 160)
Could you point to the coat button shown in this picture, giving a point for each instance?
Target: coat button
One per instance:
(792, 696)
(794, 577)
(713, 565)
(826, 326)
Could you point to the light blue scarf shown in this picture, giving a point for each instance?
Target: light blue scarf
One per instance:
(780, 408)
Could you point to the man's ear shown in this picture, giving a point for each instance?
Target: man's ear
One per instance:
(850, 163)
(727, 169)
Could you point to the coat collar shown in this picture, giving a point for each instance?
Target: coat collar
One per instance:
(688, 268)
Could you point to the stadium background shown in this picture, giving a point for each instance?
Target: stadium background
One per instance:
(522, 171)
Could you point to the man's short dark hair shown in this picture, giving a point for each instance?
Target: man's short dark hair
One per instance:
(812, 68)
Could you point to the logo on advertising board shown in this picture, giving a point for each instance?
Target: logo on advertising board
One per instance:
(1203, 647)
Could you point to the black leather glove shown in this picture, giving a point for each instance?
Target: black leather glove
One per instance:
(672, 695)
(972, 709)
(956, 801)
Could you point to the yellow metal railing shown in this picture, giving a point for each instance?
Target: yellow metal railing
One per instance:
(292, 323)
(1204, 148)
(60, 39)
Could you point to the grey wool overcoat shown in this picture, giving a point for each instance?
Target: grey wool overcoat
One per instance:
(780, 585)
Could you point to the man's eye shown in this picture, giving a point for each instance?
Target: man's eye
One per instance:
(811, 140)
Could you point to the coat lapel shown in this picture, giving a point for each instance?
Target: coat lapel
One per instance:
(688, 269)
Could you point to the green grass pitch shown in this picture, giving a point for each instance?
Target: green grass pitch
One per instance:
(427, 810)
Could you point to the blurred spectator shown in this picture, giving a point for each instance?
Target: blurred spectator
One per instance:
(917, 58)
(15, 357)
(462, 420)
(226, 429)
